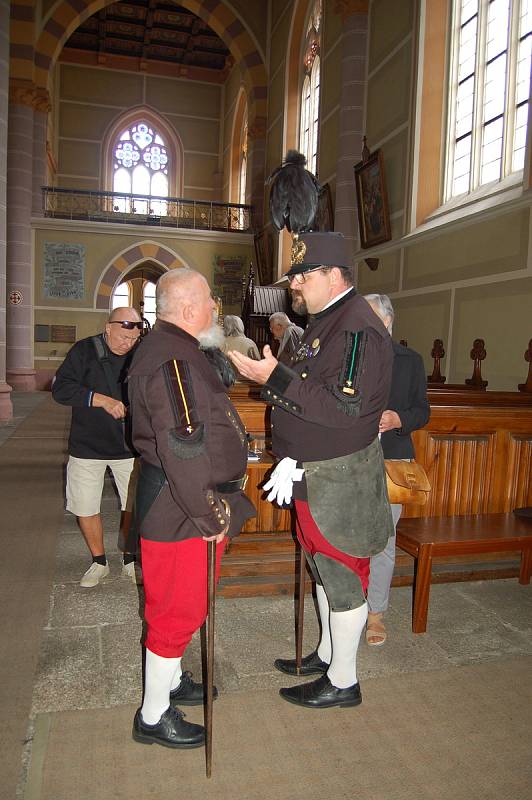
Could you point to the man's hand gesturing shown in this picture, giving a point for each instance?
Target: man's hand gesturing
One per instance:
(258, 371)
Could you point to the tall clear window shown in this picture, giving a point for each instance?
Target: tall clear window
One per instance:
(140, 167)
(310, 92)
(148, 295)
(121, 295)
(489, 92)
(242, 170)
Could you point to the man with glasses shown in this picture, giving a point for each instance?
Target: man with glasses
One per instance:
(91, 380)
(325, 423)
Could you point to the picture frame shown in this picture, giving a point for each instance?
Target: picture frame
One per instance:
(372, 201)
(324, 219)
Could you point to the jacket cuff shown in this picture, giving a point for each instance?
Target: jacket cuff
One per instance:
(278, 381)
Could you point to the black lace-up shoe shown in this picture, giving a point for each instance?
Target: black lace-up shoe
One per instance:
(190, 693)
(170, 731)
(322, 694)
(310, 665)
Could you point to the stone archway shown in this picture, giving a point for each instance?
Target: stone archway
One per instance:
(125, 261)
(68, 14)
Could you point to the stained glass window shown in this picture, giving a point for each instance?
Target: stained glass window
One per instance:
(490, 87)
(140, 167)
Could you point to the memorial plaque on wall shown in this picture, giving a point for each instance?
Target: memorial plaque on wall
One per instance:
(41, 333)
(64, 270)
(228, 279)
(64, 333)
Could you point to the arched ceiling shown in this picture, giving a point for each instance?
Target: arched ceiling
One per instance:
(152, 31)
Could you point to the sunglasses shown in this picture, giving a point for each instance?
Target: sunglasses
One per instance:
(127, 324)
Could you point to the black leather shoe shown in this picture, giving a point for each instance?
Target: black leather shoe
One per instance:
(310, 665)
(190, 693)
(322, 694)
(170, 731)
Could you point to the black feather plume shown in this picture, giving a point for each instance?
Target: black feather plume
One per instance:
(293, 194)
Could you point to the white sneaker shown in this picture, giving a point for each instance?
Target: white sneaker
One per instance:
(94, 575)
(133, 571)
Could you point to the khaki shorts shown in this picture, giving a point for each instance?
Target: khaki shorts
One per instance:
(84, 485)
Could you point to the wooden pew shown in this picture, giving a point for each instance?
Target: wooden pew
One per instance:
(476, 449)
(427, 537)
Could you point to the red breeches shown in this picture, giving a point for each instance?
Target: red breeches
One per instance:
(175, 587)
(312, 540)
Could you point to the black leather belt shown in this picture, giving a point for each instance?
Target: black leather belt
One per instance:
(232, 486)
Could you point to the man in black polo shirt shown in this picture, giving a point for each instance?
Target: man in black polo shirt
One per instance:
(91, 380)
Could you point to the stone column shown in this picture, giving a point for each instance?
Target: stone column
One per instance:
(351, 124)
(6, 407)
(40, 122)
(20, 372)
(255, 169)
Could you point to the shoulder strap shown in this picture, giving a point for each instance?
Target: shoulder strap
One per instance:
(104, 361)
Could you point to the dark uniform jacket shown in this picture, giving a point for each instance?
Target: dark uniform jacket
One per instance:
(187, 430)
(93, 432)
(328, 403)
(327, 407)
(408, 397)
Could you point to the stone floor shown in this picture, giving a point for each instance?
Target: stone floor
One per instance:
(90, 652)
(91, 655)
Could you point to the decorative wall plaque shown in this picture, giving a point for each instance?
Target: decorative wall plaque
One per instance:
(64, 333)
(16, 297)
(41, 333)
(64, 270)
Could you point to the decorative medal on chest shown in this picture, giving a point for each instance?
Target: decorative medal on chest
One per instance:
(306, 350)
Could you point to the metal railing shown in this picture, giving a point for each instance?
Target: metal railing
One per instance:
(136, 209)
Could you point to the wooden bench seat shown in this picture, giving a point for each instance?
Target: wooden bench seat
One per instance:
(427, 537)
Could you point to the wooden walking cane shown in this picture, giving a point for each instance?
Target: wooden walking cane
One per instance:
(211, 588)
(300, 609)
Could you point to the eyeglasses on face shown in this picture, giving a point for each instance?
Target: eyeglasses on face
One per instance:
(301, 277)
(127, 324)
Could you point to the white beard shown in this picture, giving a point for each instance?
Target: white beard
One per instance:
(212, 337)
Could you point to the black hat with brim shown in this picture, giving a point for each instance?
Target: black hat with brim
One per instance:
(318, 249)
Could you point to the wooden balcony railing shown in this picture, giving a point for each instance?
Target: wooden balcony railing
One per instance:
(135, 209)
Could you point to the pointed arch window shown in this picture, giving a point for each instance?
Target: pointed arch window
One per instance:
(310, 92)
(121, 295)
(242, 171)
(141, 166)
(148, 297)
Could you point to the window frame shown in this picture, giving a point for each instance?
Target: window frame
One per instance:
(506, 173)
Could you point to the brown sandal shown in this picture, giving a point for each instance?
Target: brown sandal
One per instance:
(375, 630)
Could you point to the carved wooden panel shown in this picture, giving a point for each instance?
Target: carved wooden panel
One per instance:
(269, 516)
(518, 472)
(458, 467)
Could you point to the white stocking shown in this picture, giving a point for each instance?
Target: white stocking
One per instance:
(324, 647)
(346, 629)
(157, 682)
(176, 680)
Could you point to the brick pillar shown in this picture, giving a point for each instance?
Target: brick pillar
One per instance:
(6, 407)
(19, 351)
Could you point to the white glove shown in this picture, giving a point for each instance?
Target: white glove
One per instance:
(281, 481)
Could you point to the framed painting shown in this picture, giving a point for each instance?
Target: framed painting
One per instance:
(372, 201)
(324, 219)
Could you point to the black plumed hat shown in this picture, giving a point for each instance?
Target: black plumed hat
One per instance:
(293, 194)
